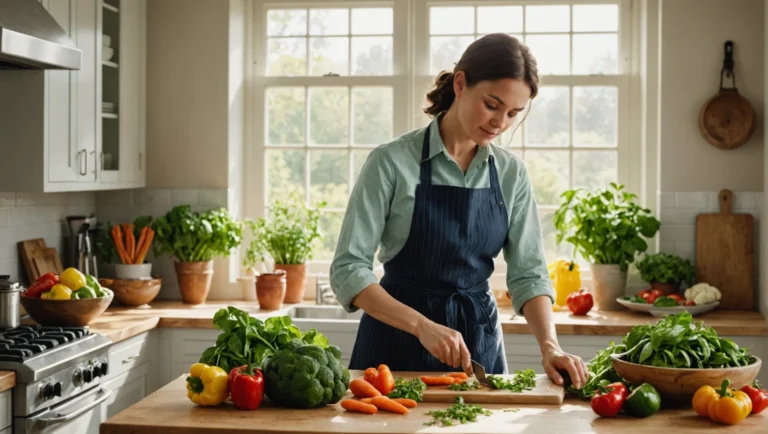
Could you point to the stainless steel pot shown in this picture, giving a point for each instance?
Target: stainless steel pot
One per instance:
(9, 303)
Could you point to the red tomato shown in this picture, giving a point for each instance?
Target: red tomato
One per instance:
(651, 298)
(690, 303)
(657, 292)
(645, 293)
(580, 302)
(677, 297)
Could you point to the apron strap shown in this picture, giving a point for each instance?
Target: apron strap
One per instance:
(426, 165)
(495, 187)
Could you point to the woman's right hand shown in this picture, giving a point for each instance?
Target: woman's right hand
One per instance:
(445, 344)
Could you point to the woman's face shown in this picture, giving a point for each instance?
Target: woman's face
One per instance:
(489, 108)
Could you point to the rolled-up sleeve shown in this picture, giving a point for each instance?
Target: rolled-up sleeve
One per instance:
(527, 274)
(364, 220)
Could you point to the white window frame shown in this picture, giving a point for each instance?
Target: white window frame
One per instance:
(411, 73)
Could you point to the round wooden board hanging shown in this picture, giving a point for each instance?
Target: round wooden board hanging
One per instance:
(727, 120)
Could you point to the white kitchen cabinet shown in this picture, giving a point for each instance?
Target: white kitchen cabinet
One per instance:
(6, 417)
(128, 388)
(54, 131)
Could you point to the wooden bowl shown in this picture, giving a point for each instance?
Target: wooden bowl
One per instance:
(133, 292)
(677, 385)
(65, 313)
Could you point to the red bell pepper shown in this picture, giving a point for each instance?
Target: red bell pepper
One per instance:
(246, 385)
(42, 284)
(608, 400)
(759, 397)
(580, 302)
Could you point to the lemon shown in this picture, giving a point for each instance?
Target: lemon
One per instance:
(72, 278)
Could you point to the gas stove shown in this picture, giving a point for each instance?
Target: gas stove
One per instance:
(52, 364)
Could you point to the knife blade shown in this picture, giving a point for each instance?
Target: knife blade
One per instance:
(479, 371)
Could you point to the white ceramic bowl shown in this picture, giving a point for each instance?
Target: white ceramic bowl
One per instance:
(133, 271)
(637, 307)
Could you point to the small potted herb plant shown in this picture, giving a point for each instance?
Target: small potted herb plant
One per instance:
(194, 240)
(288, 236)
(666, 272)
(607, 228)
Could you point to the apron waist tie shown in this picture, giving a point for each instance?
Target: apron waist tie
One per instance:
(457, 298)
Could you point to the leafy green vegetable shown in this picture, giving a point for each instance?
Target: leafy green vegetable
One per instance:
(288, 235)
(635, 299)
(524, 379)
(306, 376)
(191, 237)
(604, 225)
(666, 268)
(411, 389)
(459, 412)
(665, 301)
(673, 341)
(467, 385)
(245, 339)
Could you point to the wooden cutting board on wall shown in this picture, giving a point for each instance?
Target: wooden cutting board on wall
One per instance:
(725, 254)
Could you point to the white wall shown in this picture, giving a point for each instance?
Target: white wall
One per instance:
(693, 33)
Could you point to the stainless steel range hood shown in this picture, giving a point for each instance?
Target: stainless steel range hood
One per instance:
(30, 38)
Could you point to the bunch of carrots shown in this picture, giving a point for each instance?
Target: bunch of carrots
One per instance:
(129, 250)
(371, 391)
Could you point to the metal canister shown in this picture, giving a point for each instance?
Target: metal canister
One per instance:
(9, 303)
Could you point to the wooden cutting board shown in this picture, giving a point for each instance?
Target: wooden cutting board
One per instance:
(725, 254)
(546, 392)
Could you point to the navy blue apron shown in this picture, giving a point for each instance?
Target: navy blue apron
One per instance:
(442, 272)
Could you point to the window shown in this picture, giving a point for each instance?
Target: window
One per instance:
(332, 82)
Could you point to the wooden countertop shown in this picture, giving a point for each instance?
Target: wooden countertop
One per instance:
(7, 380)
(119, 323)
(169, 411)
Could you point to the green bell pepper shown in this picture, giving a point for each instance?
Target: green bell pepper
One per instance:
(643, 401)
(85, 292)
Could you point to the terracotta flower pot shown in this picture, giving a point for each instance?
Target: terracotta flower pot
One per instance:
(666, 288)
(270, 289)
(194, 280)
(296, 276)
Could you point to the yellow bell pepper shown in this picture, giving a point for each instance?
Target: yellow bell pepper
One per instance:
(60, 292)
(566, 278)
(723, 405)
(207, 385)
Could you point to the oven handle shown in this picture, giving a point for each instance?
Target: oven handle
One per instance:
(59, 418)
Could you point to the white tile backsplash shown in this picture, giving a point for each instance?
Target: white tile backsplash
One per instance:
(678, 218)
(25, 216)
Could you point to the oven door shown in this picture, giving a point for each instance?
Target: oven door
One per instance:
(81, 414)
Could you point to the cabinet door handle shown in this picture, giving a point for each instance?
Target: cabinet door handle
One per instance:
(80, 154)
(141, 156)
(95, 166)
(129, 359)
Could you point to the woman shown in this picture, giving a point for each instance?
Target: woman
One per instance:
(443, 202)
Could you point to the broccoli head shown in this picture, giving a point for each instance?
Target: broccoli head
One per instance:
(305, 376)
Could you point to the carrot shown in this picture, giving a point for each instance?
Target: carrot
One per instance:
(357, 406)
(405, 402)
(363, 389)
(130, 242)
(386, 404)
(117, 237)
(140, 244)
(442, 380)
(458, 375)
(367, 400)
(147, 244)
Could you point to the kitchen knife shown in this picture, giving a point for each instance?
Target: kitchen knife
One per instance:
(479, 371)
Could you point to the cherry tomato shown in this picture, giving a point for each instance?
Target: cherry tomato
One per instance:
(657, 292)
(677, 297)
(690, 303)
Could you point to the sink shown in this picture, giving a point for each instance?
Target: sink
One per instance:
(335, 313)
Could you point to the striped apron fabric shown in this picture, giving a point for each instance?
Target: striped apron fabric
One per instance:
(442, 272)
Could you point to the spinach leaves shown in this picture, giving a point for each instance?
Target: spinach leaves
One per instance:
(675, 341)
(246, 339)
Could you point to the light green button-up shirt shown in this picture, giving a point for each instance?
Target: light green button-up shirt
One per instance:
(381, 206)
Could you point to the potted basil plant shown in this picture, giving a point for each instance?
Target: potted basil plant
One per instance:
(608, 229)
(288, 235)
(193, 240)
(665, 272)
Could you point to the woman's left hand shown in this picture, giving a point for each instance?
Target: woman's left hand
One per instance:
(556, 359)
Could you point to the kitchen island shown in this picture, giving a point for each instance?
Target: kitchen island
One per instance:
(169, 411)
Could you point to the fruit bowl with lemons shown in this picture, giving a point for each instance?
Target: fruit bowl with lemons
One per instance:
(69, 299)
